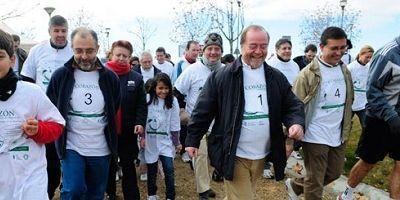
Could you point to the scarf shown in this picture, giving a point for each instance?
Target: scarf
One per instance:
(211, 66)
(8, 84)
(191, 61)
(119, 68)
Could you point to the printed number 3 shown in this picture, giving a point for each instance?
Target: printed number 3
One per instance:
(89, 100)
(259, 96)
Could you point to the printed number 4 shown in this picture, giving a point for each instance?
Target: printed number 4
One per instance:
(89, 100)
(337, 93)
(259, 96)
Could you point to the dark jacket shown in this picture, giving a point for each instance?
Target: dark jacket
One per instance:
(222, 98)
(59, 92)
(133, 107)
(301, 61)
(21, 56)
(138, 70)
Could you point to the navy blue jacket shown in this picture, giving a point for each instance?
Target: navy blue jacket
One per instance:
(59, 92)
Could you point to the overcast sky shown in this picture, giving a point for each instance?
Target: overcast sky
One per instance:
(379, 22)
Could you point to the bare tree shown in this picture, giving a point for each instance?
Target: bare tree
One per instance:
(316, 21)
(143, 32)
(230, 21)
(193, 20)
(12, 9)
(83, 18)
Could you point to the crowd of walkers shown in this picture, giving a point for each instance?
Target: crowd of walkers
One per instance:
(73, 121)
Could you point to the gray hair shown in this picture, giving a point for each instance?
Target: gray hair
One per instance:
(84, 32)
(251, 27)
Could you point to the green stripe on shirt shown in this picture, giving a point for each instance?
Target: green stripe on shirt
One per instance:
(332, 106)
(250, 117)
(20, 148)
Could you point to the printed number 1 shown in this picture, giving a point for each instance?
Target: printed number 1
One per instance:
(259, 96)
(337, 93)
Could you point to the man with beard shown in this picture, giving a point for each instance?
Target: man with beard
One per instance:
(87, 95)
(248, 102)
(189, 85)
(43, 59)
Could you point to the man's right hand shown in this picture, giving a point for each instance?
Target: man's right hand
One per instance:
(192, 151)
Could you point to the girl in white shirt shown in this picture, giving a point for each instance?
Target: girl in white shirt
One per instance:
(162, 134)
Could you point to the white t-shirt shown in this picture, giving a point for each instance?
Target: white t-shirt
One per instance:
(325, 124)
(254, 142)
(191, 82)
(147, 74)
(359, 74)
(23, 173)
(160, 122)
(86, 119)
(43, 60)
(290, 69)
(166, 67)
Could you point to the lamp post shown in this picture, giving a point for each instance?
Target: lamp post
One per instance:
(342, 4)
(237, 51)
(107, 31)
(49, 10)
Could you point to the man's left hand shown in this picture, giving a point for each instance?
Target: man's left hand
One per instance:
(139, 129)
(296, 132)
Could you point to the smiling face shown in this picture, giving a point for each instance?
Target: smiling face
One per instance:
(284, 51)
(58, 35)
(255, 48)
(162, 90)
(333, 51)
(213, 53)
(85, 50)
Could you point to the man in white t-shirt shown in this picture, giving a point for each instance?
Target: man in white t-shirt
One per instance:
(326, 88)
(191, 53)
(189, 85)
(43, 59)
(162, 64)
(88, 95)
(146, 67)
(248, 102)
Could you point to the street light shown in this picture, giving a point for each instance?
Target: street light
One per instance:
(342, 4)
(237, 51)
(108, 37)
(49, 10)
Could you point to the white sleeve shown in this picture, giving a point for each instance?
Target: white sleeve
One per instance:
(183, 83)
(46, 111)
(175, 122)
(29, 66)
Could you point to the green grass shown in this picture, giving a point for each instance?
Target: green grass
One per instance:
(378, 177)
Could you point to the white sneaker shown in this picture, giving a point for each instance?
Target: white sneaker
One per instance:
(153, 197)
(143, 177)
(297, 155)
(268, 174)
(185, 157)
(291, 194)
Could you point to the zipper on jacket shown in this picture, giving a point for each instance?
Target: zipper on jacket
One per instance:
(234, 119)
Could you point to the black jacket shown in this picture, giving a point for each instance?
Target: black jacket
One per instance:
(133, 107)
(59, 92)
(222, 98)
(21, 56)
(139, 70)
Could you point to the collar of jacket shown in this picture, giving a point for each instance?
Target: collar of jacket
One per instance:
(70, 65)
(398, 40)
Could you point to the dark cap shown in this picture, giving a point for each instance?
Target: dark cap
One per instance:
(213, 39)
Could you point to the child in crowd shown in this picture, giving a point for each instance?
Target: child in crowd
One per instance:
(28, 120)
(161, 138)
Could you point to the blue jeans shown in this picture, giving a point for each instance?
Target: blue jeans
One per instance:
(168, 168)
(84, 177)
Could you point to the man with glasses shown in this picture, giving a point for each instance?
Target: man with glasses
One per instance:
(326, 88)
(43, 59)
(87, 95)
(248, 101)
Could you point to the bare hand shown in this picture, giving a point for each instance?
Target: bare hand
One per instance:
(30, 126)
(142, 143)
(296, 132)
(139, 129)
(192, 151)
(178, 148)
